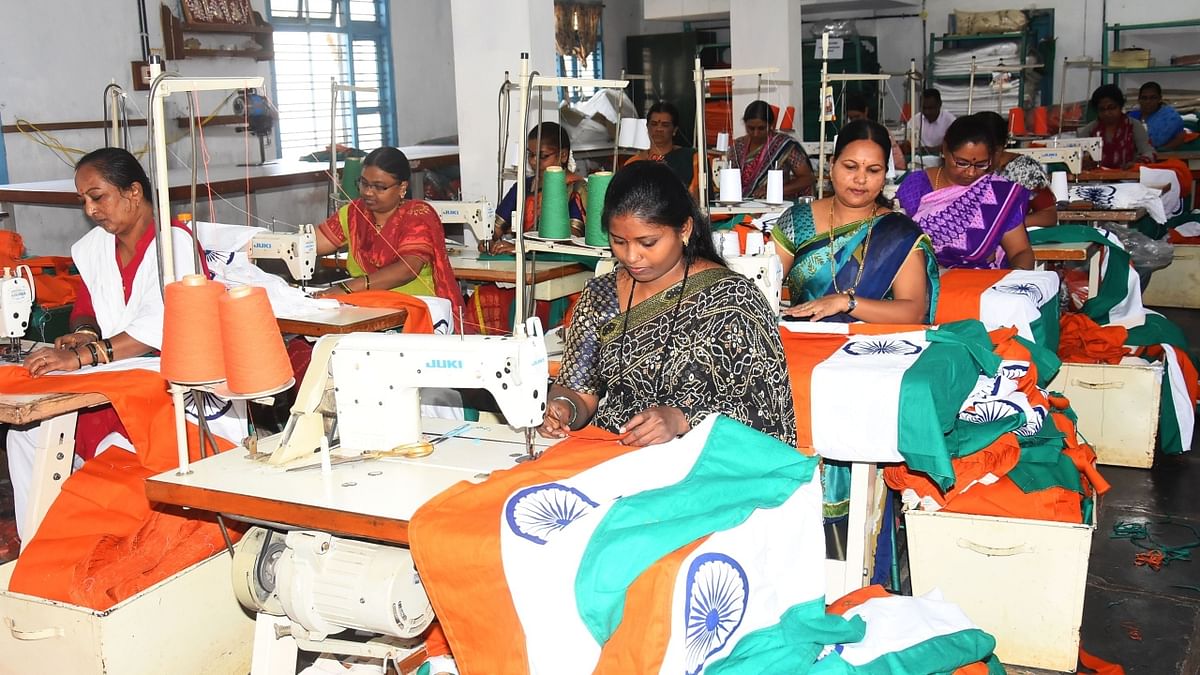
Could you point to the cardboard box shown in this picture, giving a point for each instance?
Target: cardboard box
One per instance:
(188, 624)
(1177, 284)
(1134, 57)
(1021, 580)
(1117, 407)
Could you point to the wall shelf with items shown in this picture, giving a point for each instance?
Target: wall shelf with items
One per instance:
(176, 32)
(1112, 73)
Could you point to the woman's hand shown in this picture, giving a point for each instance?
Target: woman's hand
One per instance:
(498, 246)
(556, 423)
(47, 360)
(655, 425)
(821, 308)
(73, 340)
(331, 292)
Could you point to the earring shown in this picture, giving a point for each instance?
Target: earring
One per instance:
(685, 241)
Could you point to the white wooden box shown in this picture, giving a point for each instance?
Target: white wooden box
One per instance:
(1177, 284)
(1117, 407)
(188, 624)
(1021, 580)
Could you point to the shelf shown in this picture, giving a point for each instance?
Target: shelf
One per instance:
(1120, 27)
(1111, 74)
(1114, 70)
(989, 36)
(174, 30)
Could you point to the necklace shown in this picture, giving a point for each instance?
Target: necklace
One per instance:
(662, 364)
(866, 247)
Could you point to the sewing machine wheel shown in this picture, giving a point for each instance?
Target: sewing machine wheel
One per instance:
(254, 565)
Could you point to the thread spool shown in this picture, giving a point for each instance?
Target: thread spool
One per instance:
(594, 234)
(775, 186)
(255, 357)
(192, 352)
(1058, 185)
(1041, 121)
(726, 241)
(755, 243)
(722, 142)
(554, 222)
(1016, 122)
(731, 185)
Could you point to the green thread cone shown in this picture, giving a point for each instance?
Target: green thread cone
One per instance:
(593, 228)
(554, 221)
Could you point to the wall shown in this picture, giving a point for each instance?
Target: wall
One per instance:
(623, 18)
(423, 70)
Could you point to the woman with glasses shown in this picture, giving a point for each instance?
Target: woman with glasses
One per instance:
(547, 145)
(763, 149)
(849, 256)
(1125, 141)
(975, 218)
(392, 243)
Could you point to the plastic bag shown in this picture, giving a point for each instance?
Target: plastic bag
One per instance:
(1145, 254)
(844, 28)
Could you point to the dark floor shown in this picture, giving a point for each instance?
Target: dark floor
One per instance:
(1133, 616)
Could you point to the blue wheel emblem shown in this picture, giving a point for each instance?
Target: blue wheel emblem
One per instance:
(990, 411)
(540, 511)
(1030, 290)
(1034, 422)
(214, 406)
(716, 597)
(1014, 371)
(874, 347)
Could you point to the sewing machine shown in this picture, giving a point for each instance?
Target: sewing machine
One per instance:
(16, 302)
(296, 249)
(1071, 155)
(370, 384)
(766, 271)
(480, 216)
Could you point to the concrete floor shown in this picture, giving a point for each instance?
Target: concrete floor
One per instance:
(1132, 616)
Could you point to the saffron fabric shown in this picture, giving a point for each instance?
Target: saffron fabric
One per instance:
(708, 344)
(965, 222)
(891, 238)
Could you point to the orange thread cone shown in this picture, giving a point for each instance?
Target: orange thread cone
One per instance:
(1016, 122)
(1041, 121)
(255, 357)
(192, 352)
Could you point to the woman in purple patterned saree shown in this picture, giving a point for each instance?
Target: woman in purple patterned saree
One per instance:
(975, 218)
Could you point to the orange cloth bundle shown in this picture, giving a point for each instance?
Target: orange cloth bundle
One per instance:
(1082, 340)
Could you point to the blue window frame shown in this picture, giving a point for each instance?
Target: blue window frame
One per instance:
(316, 40)
(592, 66)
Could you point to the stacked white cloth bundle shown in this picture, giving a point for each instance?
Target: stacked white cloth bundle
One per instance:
(958, 61)
(1122, 196)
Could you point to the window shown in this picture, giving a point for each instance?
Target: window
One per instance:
(592, 66)
(316, 40)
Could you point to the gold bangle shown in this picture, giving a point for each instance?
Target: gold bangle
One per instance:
(89, 331)
(345, 287)
(367, 278)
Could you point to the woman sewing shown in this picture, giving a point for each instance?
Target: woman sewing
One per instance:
(672, 334)
(763, 149)
(975, 218)
(1022, 170)
(392, 243)
(849, 257)
(1164, 125)
(118, 311)
(662, 123)
(547, 145)
(1125, 140)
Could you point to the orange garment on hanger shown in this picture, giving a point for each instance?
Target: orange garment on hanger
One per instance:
(102, 540)
(1082, 340)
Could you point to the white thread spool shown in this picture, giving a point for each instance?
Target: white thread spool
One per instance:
(775, 186)
(731, 247)
(1058, 185)
(731, 185)
(755, 243)
(633, 133)
(722, 142)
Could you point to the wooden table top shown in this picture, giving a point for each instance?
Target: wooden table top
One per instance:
(1072, 251)
(1107, 175)
(468, 267)
(344, 319)
(21, 409)
(1090, 215)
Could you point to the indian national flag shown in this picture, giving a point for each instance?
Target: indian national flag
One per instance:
(889, 397)
(1023, 299)
(603, 558)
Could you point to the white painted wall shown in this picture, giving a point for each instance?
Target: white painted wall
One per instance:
(423, 70)
(759, 44)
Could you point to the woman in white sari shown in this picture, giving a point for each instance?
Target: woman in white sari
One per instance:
(117, 319)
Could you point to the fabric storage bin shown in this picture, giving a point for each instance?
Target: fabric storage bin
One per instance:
(1021, 580)
(1177, 284)
(1117, 407)
(188, 624)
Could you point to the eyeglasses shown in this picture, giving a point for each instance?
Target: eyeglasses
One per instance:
(363, 186)
(963, 165)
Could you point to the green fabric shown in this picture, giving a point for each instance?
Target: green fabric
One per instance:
(1045, 360)
(790, 646)
(968, 438)
(932, 391)
(1115, 283)
(1170, 440)
(1147, 226)
(351, 172)
(424, 669)
(1157, 330)
(738, 471)
(418, 285)
(1046, 329)
(1043, 465)
(937, 655)
(835, 490)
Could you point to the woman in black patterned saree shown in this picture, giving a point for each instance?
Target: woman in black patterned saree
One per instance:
(672, 334)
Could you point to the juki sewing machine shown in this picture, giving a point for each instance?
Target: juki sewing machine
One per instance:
(480, 216)
(16, 302)
(298, 250)
(766, 271)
